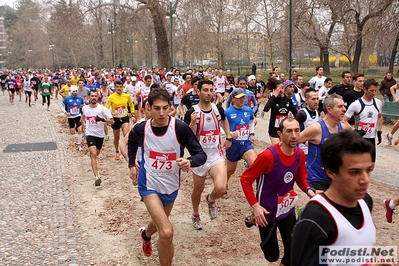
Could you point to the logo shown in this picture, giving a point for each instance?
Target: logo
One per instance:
(283, 111)
(369, 114)
(358, 255)
(288, 177)
(232, 116)
(242, 122)
(208, 119)
(246, 114)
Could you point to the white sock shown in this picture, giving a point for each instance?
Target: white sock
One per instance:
(79, 139)
(390, 135)
(391, 204)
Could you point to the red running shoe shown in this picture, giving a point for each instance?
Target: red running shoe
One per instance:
(147, 245)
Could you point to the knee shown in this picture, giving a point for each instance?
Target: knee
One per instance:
(166, 234)
(220, 190)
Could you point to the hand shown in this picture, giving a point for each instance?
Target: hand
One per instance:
(227, 144)
(194, 118)
(259, 213)
(379, 136)
(252, 138)
(98, 119)
(262, 114)
(255, 121)
(68, 114)
(184, 164)
(234, 135)
(134, 174)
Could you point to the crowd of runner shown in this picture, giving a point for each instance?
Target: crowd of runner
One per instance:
(211, 113)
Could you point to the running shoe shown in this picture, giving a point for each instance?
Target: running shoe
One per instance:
(388, 210)
(117, 156)
(98, 181)
(250, 221)
(80, 148)
(213, 209)
(389, 138)
(197, 225)
(107, 138)
(146, 245)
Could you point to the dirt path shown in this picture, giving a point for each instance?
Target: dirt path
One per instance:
(111, 215)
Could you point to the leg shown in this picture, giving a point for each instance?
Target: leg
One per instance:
(161, 224)
(269, 244)
(219, 176)
(93, 158)
(117, 133)
(285, 227)
(249, 156)
(199, 185)
(125, 129)
(231, 168)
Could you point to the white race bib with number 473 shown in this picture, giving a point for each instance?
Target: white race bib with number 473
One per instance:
(286, 203)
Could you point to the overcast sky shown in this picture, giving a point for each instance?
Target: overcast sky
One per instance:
(7, 2)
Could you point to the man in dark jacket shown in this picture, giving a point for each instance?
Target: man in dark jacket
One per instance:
(385, 86)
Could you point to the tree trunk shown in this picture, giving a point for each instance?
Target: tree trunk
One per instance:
(158, 18)
(324, 59)
(358, 49)
(393, 53)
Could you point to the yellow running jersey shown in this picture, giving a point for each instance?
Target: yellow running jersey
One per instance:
(120, 104)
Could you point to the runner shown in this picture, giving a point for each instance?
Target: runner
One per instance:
(276, 170)
(339, 216)
(10, 84)
(163, 139)
(35, 81)
(94, 116)
(46, 89)
(27, 89)
(204, 120)
(18, 86)
(241, 121)
(71, 107)
(119, 101)
(64, 91)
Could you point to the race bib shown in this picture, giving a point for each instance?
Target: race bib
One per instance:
(286, 203)
(91, 120)
(120, 111)
(279, 118)
(161, 162)
(74, 110)
(242, 132)
(46, 90)
(368, 127)
(11, 86)
(209, 138)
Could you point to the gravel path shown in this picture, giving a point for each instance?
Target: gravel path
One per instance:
(38, 220)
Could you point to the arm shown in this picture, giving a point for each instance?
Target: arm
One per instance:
(187, 138)
(269, 103)
(190, 118)
(123, 147)
(312, 134)
(173, 110)
(228, 102)
(253, 99)
(226, 127)
(393, 92)
(302, 175)
(262, 165)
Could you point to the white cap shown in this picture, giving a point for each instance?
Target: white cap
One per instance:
(134, 78)
(74, 88)
(251, 77)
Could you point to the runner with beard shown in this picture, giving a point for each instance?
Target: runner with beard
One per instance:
(94, 116)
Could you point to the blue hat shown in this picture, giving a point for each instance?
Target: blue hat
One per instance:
(288, 83)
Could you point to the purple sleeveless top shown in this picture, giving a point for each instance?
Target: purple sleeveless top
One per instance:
(278, 182)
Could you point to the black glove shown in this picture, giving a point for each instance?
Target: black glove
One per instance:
(361, 132)
(379, 136)
(98, 119)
